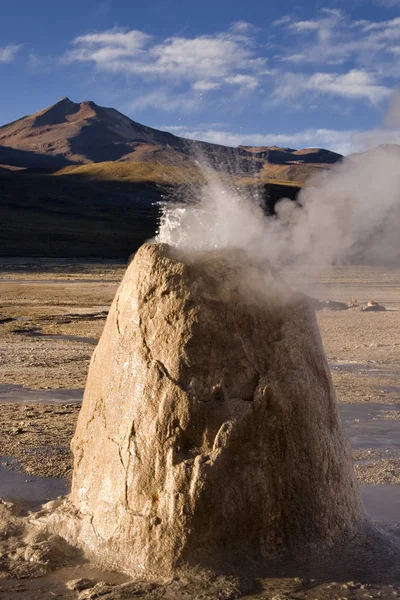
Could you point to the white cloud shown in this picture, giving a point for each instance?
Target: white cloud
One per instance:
(355, 84)
(8, 53)
(109, 50)
(245, 81)
(203, 57)
(203, 60)
(242, 27)
(204, 86)
(357, 58)
(177, 72)
(342, 141)
(334, 39)
(294, 58)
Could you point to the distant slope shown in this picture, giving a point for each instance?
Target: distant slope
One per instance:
(170, 175)
(138, 172)
(282, 156)
(42, 215)
(104, 210)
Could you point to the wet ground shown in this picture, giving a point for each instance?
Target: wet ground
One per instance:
(373, 430)
(29, 491)
(21, 395)
(51, 315)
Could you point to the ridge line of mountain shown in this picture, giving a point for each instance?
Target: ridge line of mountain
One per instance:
(68, 133)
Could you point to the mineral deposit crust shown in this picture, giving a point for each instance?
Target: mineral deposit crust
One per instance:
(208, 433)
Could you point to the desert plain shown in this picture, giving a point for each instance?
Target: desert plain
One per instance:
(52, 312)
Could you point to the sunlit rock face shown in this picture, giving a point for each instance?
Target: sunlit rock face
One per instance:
(208, 432)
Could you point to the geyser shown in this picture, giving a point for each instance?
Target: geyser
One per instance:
(208, 434)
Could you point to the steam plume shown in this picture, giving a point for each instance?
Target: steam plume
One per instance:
(351, 213)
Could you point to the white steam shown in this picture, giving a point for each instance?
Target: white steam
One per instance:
(218, 216)
(351, 212)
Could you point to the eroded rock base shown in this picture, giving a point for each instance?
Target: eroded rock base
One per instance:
(36, 565)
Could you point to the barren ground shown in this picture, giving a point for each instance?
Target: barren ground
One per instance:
(51, 314)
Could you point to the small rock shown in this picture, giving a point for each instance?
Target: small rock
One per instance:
(97, 591)
(80, 584)
(353, 303)
(372, 306)
(17, 431)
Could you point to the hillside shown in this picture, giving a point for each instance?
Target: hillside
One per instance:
(104, 210)
(77, 179)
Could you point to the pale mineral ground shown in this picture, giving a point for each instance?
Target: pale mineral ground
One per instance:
(51, 314)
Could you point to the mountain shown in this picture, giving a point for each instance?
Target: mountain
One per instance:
(77, 179)
(80, 133)
(69, 133)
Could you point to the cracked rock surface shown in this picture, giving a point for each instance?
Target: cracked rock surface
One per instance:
(208, 432)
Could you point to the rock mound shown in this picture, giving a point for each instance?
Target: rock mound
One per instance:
(208, 433)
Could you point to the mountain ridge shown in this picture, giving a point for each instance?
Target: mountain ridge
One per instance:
(68, 133)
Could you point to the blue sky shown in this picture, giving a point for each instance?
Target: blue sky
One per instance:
(317, 73)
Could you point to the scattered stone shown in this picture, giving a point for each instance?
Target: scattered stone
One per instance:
(353, 303)
(17, 431)
(80, 584)
(377, 472)
(372, 306)
(217, 588)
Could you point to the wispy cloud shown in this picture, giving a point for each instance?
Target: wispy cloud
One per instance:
(162, 99)
(246, 81)
(355, 84)
(205, 86)
(206, 58)
(334, 39)
(176, 72)
(8, 53)
(329, 56)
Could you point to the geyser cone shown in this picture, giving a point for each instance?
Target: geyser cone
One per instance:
(208, 429)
